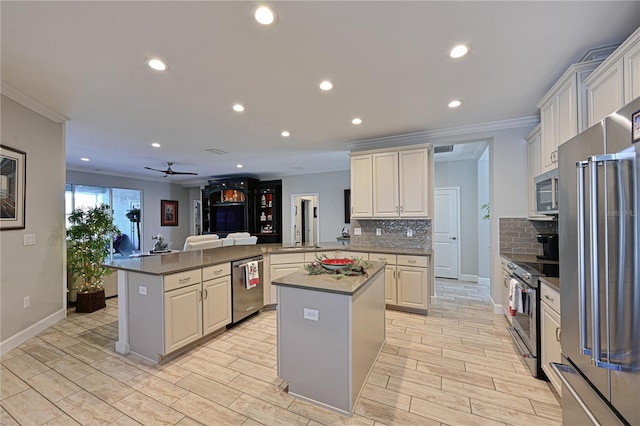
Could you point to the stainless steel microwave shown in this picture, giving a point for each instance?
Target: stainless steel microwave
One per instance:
(546, 192)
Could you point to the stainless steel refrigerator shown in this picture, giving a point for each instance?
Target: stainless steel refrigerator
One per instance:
(599, 238)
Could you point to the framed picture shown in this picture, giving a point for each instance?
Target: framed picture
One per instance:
(168, 213)
(635, 127)
(12, 188)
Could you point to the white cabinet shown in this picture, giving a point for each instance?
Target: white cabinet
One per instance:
(534, 168)
(361, 186)
(563, 111)
(616, 82)
(196, 303)
(281, 265)
(398, 183)
(550, 329)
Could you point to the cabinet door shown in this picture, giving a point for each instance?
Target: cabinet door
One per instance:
(414, 183)
(632, 73)
(567, 99)
(412, 287)
(533, 168)
(277, 271)
(550, 340)
(385, 185)
(549, 135)
(216, 301)
(183, 317)
(390, 286)
(606, 93)
(361, 186)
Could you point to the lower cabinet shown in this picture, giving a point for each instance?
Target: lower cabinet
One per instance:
(200, 307)
(506, 279)
(550, 333)
(281, 265)
(406, 280)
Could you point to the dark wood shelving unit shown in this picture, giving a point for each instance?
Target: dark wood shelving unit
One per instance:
(228, 205)
(269, 212)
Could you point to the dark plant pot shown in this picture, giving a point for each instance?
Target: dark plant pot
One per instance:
(90, 302)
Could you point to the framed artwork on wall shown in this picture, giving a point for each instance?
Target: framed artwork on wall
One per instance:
(12, 188)
(168, 213)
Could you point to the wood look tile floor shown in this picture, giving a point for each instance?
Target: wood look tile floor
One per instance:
(455, 366)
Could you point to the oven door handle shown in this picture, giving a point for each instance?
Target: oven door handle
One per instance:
(516, 339)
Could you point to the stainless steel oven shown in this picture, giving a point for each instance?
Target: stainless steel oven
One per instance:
(526, 322)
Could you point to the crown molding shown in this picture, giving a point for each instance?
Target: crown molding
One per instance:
(25, 100)
(429, 136)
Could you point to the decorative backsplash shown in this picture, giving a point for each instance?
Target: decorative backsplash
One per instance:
(519, 235)
(394, 233)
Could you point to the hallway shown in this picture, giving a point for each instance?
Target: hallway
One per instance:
(456, 366)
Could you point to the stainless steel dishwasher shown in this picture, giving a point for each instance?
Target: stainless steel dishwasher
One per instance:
(245, 301)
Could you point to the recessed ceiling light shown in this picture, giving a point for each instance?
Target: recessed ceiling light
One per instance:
(85, 159)
(357, 121)
(265, 15)
(285, 134)
(156, 64)
(239, 166)
(459, 51)
(155, 145)
(238, 108)
(326, 85)
(455, 104)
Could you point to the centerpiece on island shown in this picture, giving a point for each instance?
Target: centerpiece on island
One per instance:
(338, 267)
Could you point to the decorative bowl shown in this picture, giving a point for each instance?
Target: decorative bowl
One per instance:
(336, 264)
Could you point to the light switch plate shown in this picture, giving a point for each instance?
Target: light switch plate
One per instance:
(29, 239)
(357, 231)
(378, 231)
(142, 290)
(409, 232)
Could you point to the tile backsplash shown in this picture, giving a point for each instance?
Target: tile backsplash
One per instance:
(519, 235)
(393, 233)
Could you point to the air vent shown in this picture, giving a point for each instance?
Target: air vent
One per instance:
(216, 151)
(443, 148)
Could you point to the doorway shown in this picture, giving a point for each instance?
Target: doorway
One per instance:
(304, 219)
(446, 238)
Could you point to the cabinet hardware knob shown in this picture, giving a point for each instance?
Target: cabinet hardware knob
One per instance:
(199, 294)
(411, 261)
(216, 272)
(546, 296)
(558, 333)
(184, 280)
(205, 293)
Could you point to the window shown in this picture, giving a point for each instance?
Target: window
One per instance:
(121, 202)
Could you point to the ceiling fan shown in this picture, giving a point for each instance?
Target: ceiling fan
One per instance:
(169, 171)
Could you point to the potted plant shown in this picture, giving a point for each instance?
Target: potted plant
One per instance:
(88, 244)
(134, 216)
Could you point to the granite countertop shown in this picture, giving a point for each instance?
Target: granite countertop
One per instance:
(551, 282)
(527, 258)
(169, 263)
(328, 282)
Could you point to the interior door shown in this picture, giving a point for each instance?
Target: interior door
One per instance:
(445, 232)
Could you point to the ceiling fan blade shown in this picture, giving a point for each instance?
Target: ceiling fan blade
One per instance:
(183, 173)
(155, 170)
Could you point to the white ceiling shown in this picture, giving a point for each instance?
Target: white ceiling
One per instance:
(388, 61)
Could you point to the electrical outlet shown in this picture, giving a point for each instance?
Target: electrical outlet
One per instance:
(142, 290)
(409, 232)
(378, 231)
(311, 314)
(357, 231)
(27, 302)
(29, 239)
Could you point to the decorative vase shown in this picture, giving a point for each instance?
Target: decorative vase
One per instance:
(90, 302)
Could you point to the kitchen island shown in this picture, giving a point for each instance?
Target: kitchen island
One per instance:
(330, 332)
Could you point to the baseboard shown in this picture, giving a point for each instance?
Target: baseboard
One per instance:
(484, 281)
(469, 277)
(29, 332)
(497, 308)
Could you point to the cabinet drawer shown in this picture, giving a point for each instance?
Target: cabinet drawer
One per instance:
(550, 296)
(182, 279)
(421, 261)
(391, 259)
(216, 271)
(277, 259)
(352, 254)
(311, 256)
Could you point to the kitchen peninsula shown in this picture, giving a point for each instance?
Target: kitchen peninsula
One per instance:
(330, 332)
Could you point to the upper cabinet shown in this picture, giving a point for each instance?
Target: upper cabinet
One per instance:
(534, 168)
(616, 82)
(391, 183)
(563, 111)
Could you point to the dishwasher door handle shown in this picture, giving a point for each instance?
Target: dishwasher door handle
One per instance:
(242, 265)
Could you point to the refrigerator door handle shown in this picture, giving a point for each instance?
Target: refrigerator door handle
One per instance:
(582, 272)
(594, 259)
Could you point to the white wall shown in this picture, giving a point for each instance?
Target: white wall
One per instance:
(484, 228)
(152, 193)
(36, 271)
(463, 174)
(330, 187)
